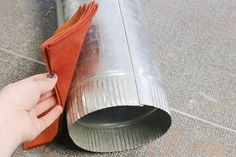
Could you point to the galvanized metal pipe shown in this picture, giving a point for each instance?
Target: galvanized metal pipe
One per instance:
(117, 100)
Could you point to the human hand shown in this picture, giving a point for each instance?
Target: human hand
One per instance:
(21, 105)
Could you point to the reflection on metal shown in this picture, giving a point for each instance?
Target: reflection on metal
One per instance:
(117, 100)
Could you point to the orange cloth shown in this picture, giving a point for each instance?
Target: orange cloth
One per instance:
(61, 52)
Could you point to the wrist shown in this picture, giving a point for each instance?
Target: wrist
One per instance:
(8, 140)
(7, 145)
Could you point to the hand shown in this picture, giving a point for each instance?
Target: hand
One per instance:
(21, 105)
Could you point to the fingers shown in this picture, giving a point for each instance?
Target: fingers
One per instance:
(49, 118)
(43, 106)
(46, 95)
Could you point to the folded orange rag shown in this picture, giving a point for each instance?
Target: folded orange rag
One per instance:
(61, 52)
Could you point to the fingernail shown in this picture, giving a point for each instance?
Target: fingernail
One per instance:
(52, 75)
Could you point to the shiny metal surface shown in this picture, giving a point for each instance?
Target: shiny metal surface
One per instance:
(117, 99)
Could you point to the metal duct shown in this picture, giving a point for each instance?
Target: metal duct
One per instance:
(117, 100)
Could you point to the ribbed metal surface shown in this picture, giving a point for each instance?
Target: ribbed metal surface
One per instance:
(106, 92)
(110, 92)
(117, 99)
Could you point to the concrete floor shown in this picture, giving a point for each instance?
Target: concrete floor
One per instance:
(195, 44)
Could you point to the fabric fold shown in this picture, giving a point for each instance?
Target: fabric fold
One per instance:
(61, 52)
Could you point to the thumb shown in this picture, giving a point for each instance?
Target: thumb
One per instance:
(47, 84)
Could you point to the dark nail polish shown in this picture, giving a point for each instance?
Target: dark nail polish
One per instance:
(51, 75)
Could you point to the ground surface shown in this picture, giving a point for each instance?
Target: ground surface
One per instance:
(195, 44)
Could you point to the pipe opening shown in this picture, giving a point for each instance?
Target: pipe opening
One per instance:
(119, 128)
